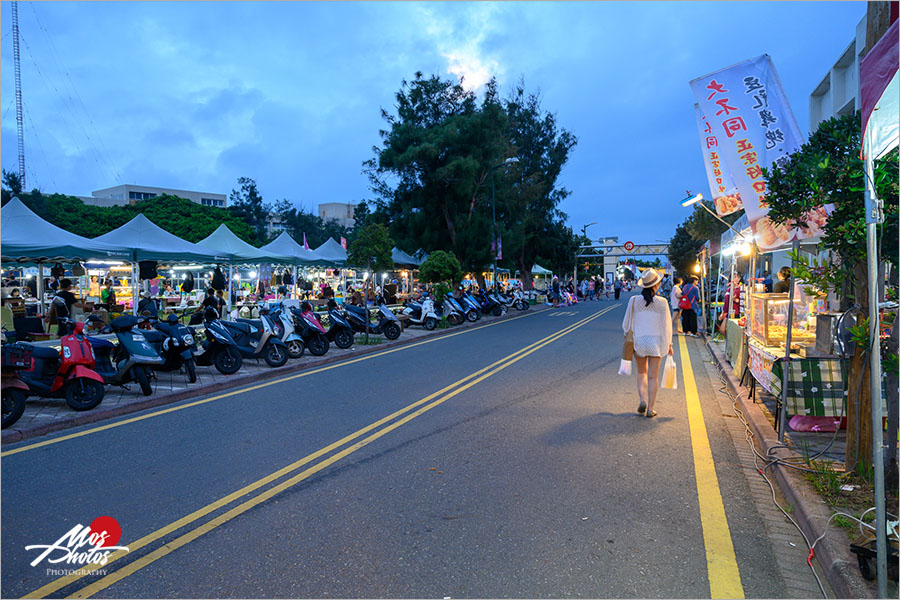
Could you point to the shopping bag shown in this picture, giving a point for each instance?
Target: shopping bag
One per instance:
(624, 367)
(670, 375)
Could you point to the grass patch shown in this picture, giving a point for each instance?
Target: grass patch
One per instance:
(373, 340)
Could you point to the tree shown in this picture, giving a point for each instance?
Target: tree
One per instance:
(372, 249)
(683, 249)
(248, 203)
(12, 185)
(703, 226)
(827, 169)
(441, 266)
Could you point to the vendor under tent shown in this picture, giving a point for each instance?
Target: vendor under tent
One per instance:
(285, 245)
(145, 240)
(27, 238)
(225, 242)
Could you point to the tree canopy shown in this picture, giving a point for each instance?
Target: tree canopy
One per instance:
(372, 248)
(441, 266)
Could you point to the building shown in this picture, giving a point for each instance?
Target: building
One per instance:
(274, 224)
(838, 93)
(129, 194)
(342, 212)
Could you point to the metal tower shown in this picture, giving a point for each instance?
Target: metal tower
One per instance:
(20, 123)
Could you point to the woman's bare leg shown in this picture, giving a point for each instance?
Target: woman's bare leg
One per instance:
(641, 362)
(652, 373)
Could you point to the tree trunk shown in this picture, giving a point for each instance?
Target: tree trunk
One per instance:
(524, 274)
(859, 406)
(479, 277)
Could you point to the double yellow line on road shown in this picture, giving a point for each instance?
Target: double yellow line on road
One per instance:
(166, 411)
(411, 411)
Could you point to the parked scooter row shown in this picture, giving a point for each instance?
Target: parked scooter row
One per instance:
(465, 306)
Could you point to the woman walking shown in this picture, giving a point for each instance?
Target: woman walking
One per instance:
(674, 299)
(648, 318)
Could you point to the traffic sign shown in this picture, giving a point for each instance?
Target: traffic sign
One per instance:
(629, 246)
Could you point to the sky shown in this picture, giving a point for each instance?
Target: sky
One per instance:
(194, 95)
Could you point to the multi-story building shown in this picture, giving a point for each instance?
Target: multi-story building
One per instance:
(838, 93)
(129, 194)
(274, 224)
(342, 212)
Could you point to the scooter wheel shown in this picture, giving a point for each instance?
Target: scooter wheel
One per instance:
(191, 369)
(143, 379)
(497, 311)
(343, 339)
(84, 394)
(430, 323)
(318, 345)
(276, 355)
(296, 348)
(455, 318)
(228, 360)
(520, 305)
(472, 315)
(392, 331)
(13, 405)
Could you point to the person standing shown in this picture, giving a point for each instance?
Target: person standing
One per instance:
(617, 288)
(555, 291)
(592, 284)
(647, 317)
(689, 303)
(783, 286)
(108, 295)
(767, 281)
(62, 304)
(674, 299)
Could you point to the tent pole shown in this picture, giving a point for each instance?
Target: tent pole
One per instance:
(230, 284)
(295, 295)
(40, 286)
(134, 287)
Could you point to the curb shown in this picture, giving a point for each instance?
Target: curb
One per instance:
(810, 512)
(13, 435)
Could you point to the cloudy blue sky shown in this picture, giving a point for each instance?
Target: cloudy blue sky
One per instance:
(194, 95)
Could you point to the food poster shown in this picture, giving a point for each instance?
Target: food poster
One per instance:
(725, 194)
(755, 128)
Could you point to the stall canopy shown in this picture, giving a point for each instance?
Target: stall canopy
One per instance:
(145, 240)
(403, 259)
(29, 238)
(225, 242)
(332, 252)
(539, 270)
(285, 245)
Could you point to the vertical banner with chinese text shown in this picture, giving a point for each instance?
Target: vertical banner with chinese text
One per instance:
(748, 111)
(721, 184)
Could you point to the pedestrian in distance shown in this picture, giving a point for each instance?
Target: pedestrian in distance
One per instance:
(674, 299)
(617, 288)
(689, 304)
(767, 281)
(591, 287)
(647, 317)
(555, 291)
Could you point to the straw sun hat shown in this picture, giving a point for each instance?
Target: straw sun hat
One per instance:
(649, 278)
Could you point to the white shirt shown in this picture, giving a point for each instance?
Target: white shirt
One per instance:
(674, 297)
(652, 325)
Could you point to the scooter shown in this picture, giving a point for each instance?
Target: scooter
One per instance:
(498, 298)
(471, 306)
(309, 328)
(388, 325)
(69, 374)
(421, 313)
(283, 325)
(132, 359)
(174, 342)
(340, 331)
(219, 348)
(452, 305)
(255, 338)
(519, 300)
(487, 305)
(15, 357)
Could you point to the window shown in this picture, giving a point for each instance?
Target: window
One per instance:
(212, 202)
(140, 195)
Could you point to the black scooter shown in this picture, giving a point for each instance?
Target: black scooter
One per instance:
(256, 338)
(175, 343)
(340, 331)
(388, 324)
(219, 348)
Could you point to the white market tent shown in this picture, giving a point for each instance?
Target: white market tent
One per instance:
(539, 270)
(332, 252)
(402, 258)
(147, 241)
(285, 245)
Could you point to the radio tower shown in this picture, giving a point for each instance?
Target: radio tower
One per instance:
(20, 123)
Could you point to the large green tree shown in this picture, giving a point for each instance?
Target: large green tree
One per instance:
(827, 170)
(247, 203)
(683, 248)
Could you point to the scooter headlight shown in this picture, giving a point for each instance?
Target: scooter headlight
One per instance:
(188, 339)
(165, 345)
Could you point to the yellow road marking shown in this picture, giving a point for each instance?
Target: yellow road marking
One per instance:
(249, 389)
(150, 538)
(721, 563)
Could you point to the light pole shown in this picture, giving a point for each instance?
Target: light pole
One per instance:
(496, 246)
(575, 274)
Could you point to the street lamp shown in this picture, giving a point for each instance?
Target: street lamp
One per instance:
(695, 198)
(508, 161)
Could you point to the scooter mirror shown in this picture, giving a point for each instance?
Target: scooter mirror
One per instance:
(172, 318)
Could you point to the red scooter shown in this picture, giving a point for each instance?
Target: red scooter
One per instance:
(68, 374)
(15, 391)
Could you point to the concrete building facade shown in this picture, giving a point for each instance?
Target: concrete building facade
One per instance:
(838, 92)
(342, 212)
(129, 194)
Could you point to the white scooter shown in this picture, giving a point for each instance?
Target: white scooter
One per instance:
(422, 313)
(284, 327)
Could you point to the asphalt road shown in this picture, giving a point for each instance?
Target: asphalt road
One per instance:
(524, 471)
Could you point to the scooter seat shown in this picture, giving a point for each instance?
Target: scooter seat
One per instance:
(167, 328)
(101, 344)
(359, 310)
(154, 336)
(123, 323)
(254, 322)
(44, 353)
(241, 326)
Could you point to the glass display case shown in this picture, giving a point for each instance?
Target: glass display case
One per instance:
(768, 318)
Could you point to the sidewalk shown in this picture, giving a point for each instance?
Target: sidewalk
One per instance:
(48, 415)
(811, 513)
